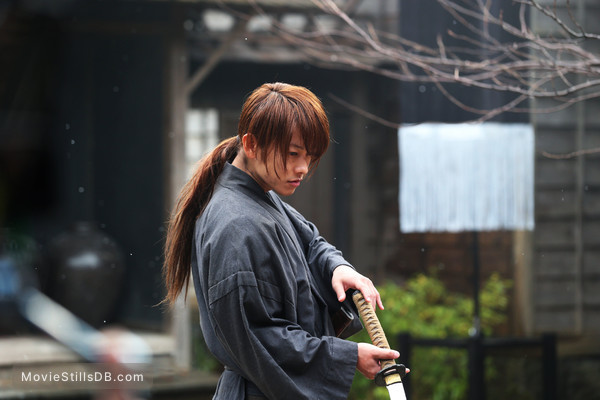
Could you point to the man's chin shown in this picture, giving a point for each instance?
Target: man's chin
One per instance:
(285, 193)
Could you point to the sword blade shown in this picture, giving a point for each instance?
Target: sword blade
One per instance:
(396, 391)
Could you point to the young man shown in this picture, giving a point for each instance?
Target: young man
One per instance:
(267, 283)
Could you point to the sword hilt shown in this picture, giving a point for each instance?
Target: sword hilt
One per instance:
(390, 371)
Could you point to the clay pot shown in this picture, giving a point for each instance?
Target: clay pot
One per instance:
(87, 272)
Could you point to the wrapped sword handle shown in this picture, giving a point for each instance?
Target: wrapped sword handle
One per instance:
(390, 371)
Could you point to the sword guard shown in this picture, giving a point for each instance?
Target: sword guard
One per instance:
(399, 369)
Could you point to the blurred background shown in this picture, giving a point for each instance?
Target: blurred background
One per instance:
(105, 107)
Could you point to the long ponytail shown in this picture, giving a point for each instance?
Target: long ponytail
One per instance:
(193, 198)
(271, 113)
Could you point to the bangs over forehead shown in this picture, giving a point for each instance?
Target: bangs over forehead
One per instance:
(274, 111)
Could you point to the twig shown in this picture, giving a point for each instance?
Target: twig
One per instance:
(572, 154)
(364, 113)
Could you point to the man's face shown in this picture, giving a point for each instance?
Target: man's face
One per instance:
(271, 174)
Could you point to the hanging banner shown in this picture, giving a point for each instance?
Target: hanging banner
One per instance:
(466, 177)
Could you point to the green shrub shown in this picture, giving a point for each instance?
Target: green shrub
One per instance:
(424, 308)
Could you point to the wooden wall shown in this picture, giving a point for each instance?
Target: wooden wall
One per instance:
(566, 245)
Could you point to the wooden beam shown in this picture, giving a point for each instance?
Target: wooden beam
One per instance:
(175, 109)
(523, 307)
(580, 182)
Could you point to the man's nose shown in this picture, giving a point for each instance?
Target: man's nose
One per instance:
(302, 166)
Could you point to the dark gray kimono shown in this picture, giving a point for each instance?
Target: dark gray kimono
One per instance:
(263, 276)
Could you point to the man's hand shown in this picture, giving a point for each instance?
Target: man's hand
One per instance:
(345, 277)
(369, 356)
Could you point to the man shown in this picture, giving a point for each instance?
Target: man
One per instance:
(267, 283)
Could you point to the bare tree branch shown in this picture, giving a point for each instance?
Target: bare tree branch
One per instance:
(528, 66)
(494, 47)
(582, 34)
(573, 154)
(364, 113)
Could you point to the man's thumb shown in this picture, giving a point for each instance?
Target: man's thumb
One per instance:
(393, 354)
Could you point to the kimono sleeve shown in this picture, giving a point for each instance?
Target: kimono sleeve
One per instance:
(322, 256)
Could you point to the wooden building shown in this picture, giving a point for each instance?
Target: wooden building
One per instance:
(105, 106)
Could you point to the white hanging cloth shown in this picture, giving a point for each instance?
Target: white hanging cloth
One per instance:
(466, 177)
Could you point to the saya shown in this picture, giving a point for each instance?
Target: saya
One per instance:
(391, 373)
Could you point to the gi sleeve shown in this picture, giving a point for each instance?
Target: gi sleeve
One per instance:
(322, 256)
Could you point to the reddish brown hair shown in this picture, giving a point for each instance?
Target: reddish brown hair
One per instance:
(271, 113)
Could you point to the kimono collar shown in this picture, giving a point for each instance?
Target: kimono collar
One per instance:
(236, 179)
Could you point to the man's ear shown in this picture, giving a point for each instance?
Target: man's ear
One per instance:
(249, 145)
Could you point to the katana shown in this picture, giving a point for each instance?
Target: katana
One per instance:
(391, 374)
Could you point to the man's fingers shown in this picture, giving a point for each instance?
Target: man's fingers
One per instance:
(367, 290)
(339, 291)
